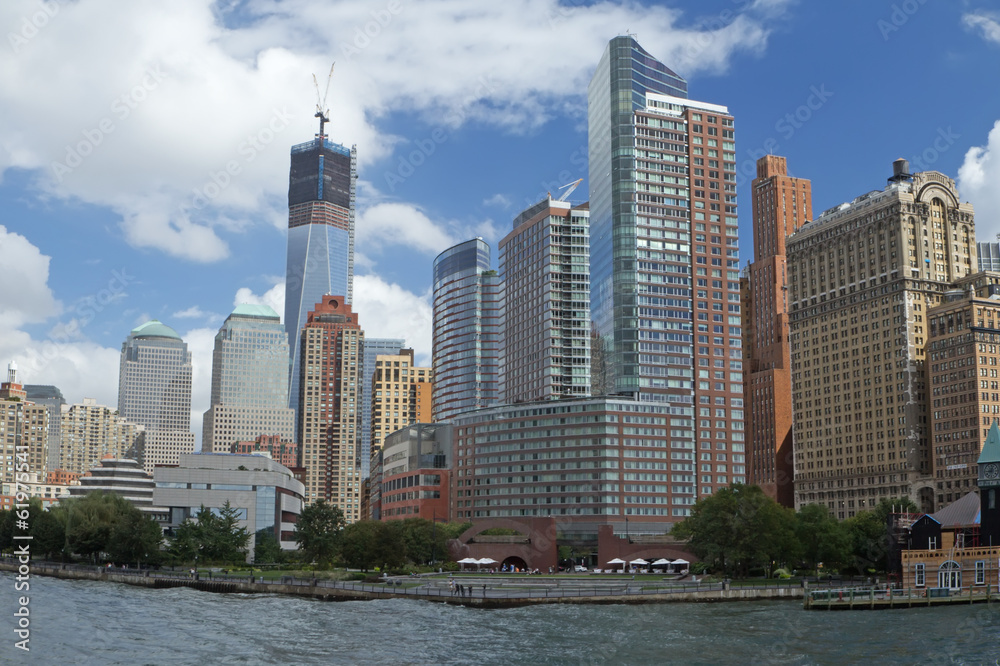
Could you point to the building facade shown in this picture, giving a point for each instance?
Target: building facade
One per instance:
(123, 477)
(590, 461)
(988, 255)
(545, 270)
(468, 306)
(322, 185)
(415, 473)
(52, 398)
(373, 347)
(272, 446)
(781, 205)
(24, 431)
(249, 381)
(862, 279)
(330, 406)
(963, 361)
(264, 493)
(664, 252)
(89, 432)
(400, 395)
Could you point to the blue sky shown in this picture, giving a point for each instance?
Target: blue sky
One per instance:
(145, 145)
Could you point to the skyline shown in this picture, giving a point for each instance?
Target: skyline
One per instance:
(442, 159)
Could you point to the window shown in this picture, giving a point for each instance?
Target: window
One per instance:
(981, 572)
(918, 575)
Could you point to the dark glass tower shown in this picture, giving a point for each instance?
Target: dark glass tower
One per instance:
(321, 201)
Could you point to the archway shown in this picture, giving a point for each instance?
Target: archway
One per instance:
(513, 562)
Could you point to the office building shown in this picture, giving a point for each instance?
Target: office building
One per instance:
(154, 391)
(862, 279)
(272, 446)
(249, 381)
(545, 271)
(330, 405)
(124, 477)
(781, 205)
(264, 493)
(321, 202)
(400, 395)
(24, 430)
(664, 254)
(989, 256)
(415, 469)
(468, 307)
(89, 432)
(52, 398)
(373, 347)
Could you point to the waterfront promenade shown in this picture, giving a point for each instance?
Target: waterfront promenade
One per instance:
(483, 591)
(885, 598)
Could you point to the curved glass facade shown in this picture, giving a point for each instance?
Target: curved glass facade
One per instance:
(467, 311)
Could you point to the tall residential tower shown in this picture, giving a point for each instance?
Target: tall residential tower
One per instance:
(664, 258)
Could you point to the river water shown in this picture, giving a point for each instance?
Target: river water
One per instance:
(86, 622)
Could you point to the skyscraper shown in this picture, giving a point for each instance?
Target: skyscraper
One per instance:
(154, 390)
(321, 197)
(249, 381)
(781, 205)
(664, 257)
(330, 405)
(52, 398)
(545, 268)
(90, 432)
(24, 431)
(862, 278)
(372, 348)
(400, 393)
(468, 301)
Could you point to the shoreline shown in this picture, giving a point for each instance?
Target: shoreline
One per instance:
(493, 596)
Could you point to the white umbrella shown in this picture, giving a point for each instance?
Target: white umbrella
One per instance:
(616, 561)
(681, 562)
(468, 560)
(638, 561)
(661, 562)
(486, 560)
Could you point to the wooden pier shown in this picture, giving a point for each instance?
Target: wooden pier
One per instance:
(885, 598)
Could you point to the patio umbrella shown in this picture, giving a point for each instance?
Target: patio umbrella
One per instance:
(618, 561)
(662, 562)
(681, 562)
(468, 560)
(638, 561)
(486, 560)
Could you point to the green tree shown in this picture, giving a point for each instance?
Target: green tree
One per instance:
(211, 537)
(6, 530)
(267, 548)
(318, 532)
(739, 528)
(822, 537)
(137, 538)
(89, 521)
(47, 531)
(869, 533)
(358, 546)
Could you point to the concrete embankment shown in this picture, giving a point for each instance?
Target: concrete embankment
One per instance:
(495, 594)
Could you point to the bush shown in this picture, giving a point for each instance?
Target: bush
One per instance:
(450, 566)
(698, 568)
(781, 573)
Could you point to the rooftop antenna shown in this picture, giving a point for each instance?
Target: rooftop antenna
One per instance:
(322, 112)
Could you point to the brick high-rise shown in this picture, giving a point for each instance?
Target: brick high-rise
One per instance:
(781, 205)
(330, 405)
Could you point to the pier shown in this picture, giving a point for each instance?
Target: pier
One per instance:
(885, 598)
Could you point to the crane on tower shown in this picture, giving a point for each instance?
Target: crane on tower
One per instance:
(322, 111)
(572, 186)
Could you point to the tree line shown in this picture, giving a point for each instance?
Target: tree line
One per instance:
(739, 531)
(105, 527)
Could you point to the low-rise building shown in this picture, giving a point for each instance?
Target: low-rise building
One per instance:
(415, 472)
(121, 476)
(265, 494)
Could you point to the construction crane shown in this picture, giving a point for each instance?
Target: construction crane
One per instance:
(322, 112)
(572, 186)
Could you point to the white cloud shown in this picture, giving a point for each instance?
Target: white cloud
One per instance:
(182, 114)
(401, 224)
(977, 181)
(985, 23)
(390, 311)
(498, 200)
(194, 312)
(28, 298)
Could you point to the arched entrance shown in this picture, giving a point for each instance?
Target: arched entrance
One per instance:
(950, 575)
(515, 562)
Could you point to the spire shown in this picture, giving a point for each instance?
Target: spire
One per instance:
(991, 449)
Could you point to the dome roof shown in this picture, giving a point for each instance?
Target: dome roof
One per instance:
(154, 329)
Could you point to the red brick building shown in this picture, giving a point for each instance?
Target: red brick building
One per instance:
(281, 451)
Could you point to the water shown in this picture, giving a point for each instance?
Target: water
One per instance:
(85, 622)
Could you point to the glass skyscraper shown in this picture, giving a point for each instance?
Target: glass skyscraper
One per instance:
(665, 292)
(468, 302)
(321, 200)
(249, 381)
